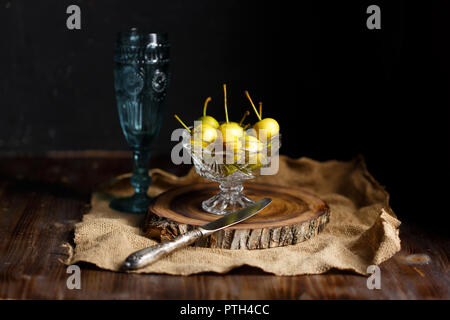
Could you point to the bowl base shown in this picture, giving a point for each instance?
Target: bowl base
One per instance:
(229, 199)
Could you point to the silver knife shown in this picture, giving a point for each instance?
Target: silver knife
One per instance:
(151, 254)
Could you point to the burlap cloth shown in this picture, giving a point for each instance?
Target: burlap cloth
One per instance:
(362, 230)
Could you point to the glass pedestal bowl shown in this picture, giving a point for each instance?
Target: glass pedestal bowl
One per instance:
(230, 168)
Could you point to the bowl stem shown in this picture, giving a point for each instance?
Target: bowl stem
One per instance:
(229, 199)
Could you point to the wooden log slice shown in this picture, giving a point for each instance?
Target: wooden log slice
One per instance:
(293, 216)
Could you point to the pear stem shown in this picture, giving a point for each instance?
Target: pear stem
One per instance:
(253, 105)
(244, 116)
(206, 105)
(260, 109)
(246, 126)
(225, 99)
(182, 123)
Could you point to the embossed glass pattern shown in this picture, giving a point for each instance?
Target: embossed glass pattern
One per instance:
(141, 80)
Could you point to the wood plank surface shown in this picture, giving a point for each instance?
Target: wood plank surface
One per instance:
(41, 197)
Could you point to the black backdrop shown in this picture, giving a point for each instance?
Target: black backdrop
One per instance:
(337, 88)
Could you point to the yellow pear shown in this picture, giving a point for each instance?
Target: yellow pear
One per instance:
(253, 150)
(202, 135)
(268, 126)
(255, 160)
(233, 148)
(205, 132)
(198, 143)
(202, 132)
(208, 119)
(231, 131)
(252, 144)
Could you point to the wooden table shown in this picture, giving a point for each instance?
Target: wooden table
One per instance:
(41, 197)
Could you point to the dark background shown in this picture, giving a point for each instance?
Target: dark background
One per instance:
(336, 88)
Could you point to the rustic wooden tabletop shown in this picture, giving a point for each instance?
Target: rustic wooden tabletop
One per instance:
(41, 197)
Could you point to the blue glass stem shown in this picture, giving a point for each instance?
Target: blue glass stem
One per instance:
(140, 180)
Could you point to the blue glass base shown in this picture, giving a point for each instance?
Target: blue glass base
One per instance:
(137, 203)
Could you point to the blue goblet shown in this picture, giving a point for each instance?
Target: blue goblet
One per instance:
(141, 80)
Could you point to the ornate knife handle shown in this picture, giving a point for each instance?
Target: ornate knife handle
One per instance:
(151, 254)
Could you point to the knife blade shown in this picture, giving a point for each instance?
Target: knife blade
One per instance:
(151, 254)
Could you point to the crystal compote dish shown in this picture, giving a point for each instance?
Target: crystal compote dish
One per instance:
(230, 165)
